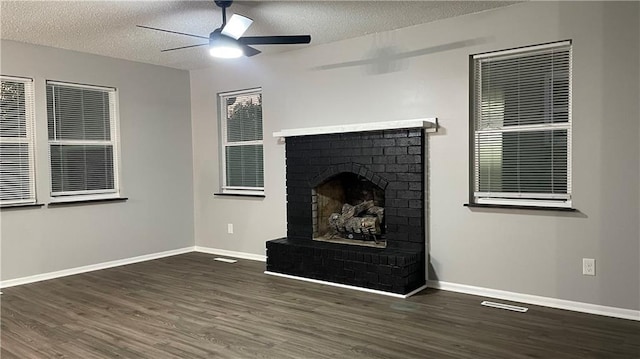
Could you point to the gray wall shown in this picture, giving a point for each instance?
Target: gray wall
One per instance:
(532, 252)
(155, 133)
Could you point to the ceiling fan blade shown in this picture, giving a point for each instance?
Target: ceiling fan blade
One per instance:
(275, 40)
(183, 47)
(173, 32)
(249, 51)
(236, 26)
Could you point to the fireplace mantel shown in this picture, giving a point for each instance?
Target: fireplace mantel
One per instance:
(429, 124)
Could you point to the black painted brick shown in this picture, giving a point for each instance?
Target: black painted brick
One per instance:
(384, 142)
(399, 236)
(411, 141)
(395, 150)
(399, 185)
(409, 159)
(384, 159)
(415, 133)
(397, 167)
(372, 151)
(416, 237)
(410, 194)
(398, 203)
(395, 134)
(410, 177)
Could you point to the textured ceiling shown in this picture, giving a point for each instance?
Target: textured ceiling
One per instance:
(109, 27)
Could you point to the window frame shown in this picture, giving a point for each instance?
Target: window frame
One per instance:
(516, 199)
(29, 139)
(222, 108)
(114, 134)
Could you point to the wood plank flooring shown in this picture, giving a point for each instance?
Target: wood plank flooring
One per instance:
(190, 306)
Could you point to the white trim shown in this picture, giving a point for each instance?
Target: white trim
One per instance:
(114, 142)
(234, 254)
(92, 267)
(30, 136)
(240, 188)
(346, 286)
(18, 201)
(240, 92)
(522, 195)
(431, 124)
(243, 192)
(521, 199)
(62, 197)
(84, 86)
(453, 287)
(524, 202)
(16, 78)
(522, 50)
(538, 300)
(224, 144)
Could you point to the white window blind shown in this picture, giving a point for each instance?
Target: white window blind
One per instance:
(242, 142)
(17, 174)
(522, 126)
(83, 144)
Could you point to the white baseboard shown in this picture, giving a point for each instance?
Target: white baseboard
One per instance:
(454, 287)
(317, 281)
(92, 267)
(234, 254)
(538, 300)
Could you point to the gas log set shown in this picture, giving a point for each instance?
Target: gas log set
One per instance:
(362, 221)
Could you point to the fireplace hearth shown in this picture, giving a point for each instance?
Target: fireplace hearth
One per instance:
(355, 209)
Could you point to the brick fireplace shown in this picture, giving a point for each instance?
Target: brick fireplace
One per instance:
(377, 177)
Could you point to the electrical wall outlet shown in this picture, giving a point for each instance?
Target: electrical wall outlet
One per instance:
(230, 228)
(588, 266)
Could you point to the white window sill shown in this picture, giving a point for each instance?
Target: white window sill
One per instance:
(21, 205)
(255, 194)
(84, 200)
(516, 206)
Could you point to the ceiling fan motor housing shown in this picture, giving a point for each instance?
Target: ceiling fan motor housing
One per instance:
(223, 4)
(217, 38)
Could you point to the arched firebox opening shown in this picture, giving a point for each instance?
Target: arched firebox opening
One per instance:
(348, 208)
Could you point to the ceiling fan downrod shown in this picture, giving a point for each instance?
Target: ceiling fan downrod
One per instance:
(223, 4)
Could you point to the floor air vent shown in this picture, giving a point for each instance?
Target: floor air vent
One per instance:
(226, 260)
(504, 306)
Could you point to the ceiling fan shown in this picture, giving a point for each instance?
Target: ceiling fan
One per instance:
(227, 41)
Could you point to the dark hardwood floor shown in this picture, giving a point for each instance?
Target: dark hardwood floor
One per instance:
(190, 306)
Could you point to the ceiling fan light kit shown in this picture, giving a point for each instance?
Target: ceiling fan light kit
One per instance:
(227, 41)
(224, 47)
(226, 52)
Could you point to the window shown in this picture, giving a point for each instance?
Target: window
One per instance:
(521, 129)
(242, 164)
(17, 174)
(83, 145)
